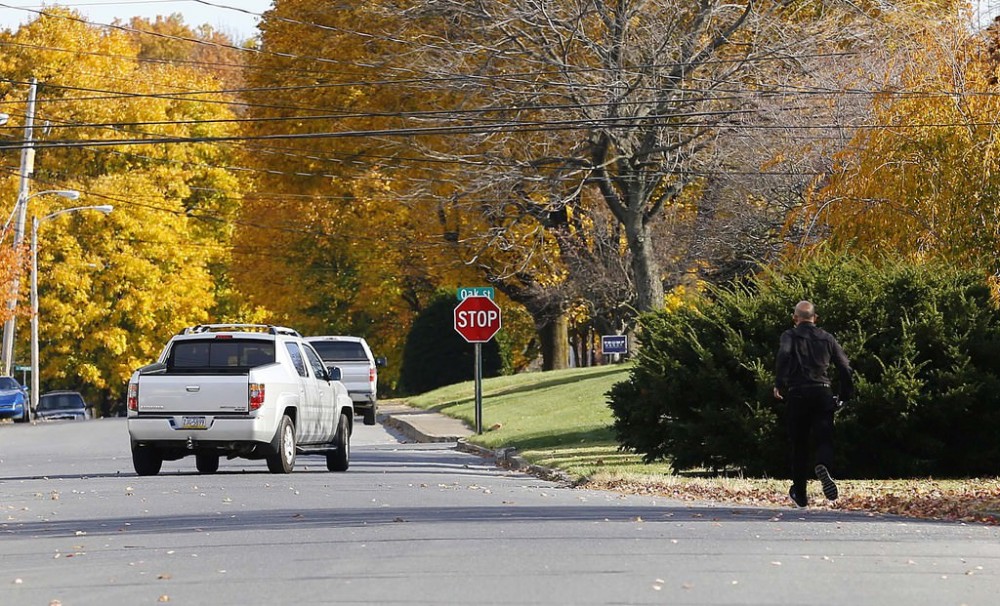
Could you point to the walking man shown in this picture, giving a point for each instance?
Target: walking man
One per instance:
(804, 356)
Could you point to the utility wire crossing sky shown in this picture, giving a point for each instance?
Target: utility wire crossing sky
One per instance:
(227, 16)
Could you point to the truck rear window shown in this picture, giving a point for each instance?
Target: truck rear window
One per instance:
(220, 354)
(334, 351)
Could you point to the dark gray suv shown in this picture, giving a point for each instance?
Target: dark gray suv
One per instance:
(62, 405)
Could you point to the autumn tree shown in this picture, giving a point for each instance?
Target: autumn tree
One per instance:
(332, 214)
(113, 289)
(168, 39)
(921, 179)
(638, 109)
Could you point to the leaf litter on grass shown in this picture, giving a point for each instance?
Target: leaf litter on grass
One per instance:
(969, 500)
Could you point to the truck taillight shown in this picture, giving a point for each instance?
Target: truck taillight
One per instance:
(133, 396)
(371, 375)
(256, 395)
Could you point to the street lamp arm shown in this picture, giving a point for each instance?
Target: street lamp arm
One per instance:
(104, 208)
(70, 194)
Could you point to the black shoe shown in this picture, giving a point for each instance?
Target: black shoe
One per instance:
(829, 486)
(800, 500)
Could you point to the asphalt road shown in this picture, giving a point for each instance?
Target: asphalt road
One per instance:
(426, 524)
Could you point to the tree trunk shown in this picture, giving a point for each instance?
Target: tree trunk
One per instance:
(645, 267)
(554, 337)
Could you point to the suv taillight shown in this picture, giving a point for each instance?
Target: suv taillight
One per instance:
(256, 395)
(133, 396)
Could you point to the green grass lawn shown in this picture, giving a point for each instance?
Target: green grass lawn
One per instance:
(561, 420)
(558, 419)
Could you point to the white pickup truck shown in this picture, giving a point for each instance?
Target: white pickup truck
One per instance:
(242, 390)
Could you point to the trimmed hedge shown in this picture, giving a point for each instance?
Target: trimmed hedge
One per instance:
(923, 341)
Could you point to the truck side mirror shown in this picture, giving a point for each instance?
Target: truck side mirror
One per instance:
(334, 374)
(380, 362)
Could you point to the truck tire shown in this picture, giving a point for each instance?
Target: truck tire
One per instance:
(340, 459)
(283, 458)
(207, 462)
(147, 460)
(370, 414)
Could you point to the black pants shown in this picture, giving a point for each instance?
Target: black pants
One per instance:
(810, 415)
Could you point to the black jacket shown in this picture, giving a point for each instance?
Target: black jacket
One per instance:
(805, 355)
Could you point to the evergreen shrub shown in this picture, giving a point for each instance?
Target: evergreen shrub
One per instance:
(923, 341)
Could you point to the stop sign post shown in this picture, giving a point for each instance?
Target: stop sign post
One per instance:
(477, 319)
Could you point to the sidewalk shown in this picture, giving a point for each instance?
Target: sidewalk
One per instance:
(428, 426)
(421, 425)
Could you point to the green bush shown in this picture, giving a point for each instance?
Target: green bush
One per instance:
(435, 355)
(923, 341)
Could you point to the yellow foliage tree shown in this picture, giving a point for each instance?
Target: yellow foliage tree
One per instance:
(113, 289)
(357, 249)
(923, 180)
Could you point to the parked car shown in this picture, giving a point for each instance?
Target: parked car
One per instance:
(358, 368)
(13, 400)
(62, 405)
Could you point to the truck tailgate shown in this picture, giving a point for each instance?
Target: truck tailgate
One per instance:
(202, 394)
(354, 375)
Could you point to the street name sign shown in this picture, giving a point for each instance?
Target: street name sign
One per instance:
(464, 292)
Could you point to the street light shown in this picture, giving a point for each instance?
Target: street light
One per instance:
(7, 353)
(35, 222)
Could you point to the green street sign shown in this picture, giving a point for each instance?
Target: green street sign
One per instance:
(464, 292)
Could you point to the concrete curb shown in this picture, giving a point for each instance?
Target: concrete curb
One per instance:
(508, 458)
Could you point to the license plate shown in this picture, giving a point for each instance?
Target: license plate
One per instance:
(194, 423)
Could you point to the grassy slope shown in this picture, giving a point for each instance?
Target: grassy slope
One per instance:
(560, 419)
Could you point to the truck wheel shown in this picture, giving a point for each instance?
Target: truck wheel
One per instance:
(370, 415)
(147, 460)
(207, 462)
(283, 458)
(340, 459)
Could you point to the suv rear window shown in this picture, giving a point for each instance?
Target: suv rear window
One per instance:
(220, 354)
(61, 401)
(339, 350)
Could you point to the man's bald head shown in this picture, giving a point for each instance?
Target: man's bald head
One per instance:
(804, 312)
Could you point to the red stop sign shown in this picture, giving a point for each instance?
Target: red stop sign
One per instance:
(477, 319)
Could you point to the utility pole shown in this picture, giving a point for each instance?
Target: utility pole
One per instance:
(21, 209)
